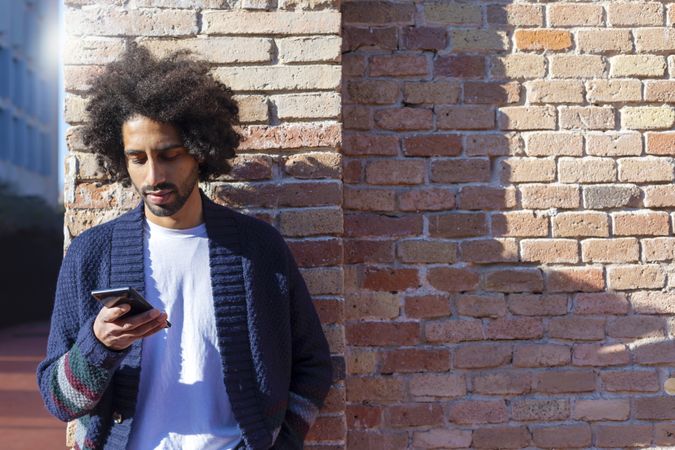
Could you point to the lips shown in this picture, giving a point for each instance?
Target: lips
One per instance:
(159, 197)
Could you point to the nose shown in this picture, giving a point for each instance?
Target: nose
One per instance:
(156, 173)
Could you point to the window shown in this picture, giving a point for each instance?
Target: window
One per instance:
(5, 143)
(16, 32)
(15, 141)
(16, 87)
(5, 68)
(46, 160)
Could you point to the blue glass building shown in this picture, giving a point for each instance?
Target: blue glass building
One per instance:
(29, 82)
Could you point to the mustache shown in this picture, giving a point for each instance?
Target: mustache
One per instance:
(145, 190)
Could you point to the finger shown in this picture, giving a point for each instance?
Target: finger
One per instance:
(113, 313)
(128, 324)
(153, 330)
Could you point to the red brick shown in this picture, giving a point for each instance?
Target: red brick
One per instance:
(353, 65)
(316, 253)
(641, 223)
(377, 279)
(541, 355)
(540, 410)
(601, 303)
(431, 92)
(661, 143)
(376, 440)
(357, 117)
(433, 385)
(653, 302)
(427, 307)
(575, 279)
(636, 326)
(415, 415)
(404, 119)
(487, 198)
(665, 434)
(511, 382)
(363, 250)
(361, 225)
(356, 144)
(377, 13)
(519, 223)
(453, 330)
(279, 195)
(427, 199)
(465, 117)
(330, 310)
(451, 279)
(351, 171)
(655, 353)
(600, 355)
(501, 437)
(543, 39)
(478, 411)
(425, 38)
(545, 196)
(481, 305)
(373, 92)
(369, 199)
(354, 38)
(374, 389)
(566, 436)
(424, 251)
(514, 280)
(456, 225)
(251, 167)
(433, 145)
(363, 416)
(577, 328)
(566, 382)
(382, 333)
(437, 438)
(515, 328)
(630, 381)
(310, 222)
(329, 428)
(395, 172)
(459, 66)
(538, 305)
(624, 435)
(460, 170)
(415, 360)
(593, 410)
(651, 408)
(371, 305)
(360, 361)
(335, 400)
(481, 356)
(485, 251)
(492, 144)
(491, 93)
(397, 66)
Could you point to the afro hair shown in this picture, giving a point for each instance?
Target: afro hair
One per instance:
(176, 89)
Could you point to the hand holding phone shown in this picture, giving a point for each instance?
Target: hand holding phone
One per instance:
(126, 318)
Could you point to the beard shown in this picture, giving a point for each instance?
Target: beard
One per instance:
(181, 194)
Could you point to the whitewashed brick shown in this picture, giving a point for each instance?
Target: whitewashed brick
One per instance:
(265, 23)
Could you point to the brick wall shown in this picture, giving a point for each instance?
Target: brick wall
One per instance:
(282, 59)
(494, 234)
(508, 189)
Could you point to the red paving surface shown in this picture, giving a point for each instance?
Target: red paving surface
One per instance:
(25, 424)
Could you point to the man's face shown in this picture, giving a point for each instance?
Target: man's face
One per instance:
(161, 169)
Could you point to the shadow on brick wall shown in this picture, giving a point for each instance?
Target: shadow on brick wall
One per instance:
(490, 301)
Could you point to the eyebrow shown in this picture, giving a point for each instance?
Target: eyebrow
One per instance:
(132, 152)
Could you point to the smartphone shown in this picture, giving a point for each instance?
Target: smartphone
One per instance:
(118, 296)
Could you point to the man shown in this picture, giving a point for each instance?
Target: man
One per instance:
(245, 363)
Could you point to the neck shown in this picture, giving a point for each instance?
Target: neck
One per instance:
(189, 216)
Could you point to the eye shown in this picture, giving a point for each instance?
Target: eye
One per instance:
(137, 161)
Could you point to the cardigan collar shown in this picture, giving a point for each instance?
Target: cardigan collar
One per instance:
(226, 241)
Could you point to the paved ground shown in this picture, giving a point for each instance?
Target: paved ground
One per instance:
(24, 422)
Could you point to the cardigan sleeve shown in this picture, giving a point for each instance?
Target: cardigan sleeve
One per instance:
(311, 372)
(78, 367)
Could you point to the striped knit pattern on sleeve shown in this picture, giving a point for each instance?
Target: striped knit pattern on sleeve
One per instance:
(76, 385)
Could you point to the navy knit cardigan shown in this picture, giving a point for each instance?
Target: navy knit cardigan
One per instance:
(276, 361)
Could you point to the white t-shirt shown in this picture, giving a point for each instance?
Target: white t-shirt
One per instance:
(182, 402)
